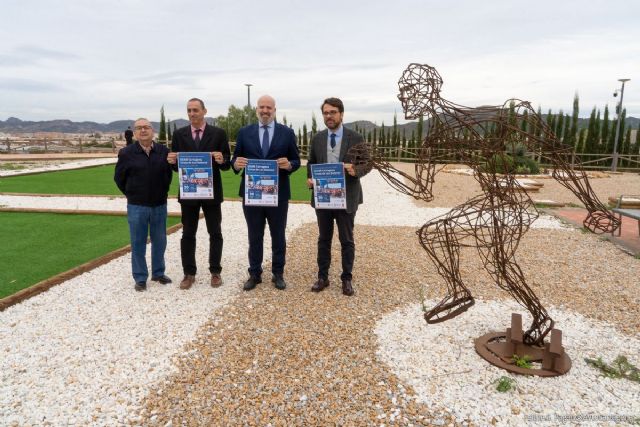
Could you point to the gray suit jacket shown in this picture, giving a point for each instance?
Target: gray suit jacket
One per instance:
(318, 154)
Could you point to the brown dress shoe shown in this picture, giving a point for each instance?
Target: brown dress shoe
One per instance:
(320, 285)
(216, 280)
(347, 289)
(187, 282)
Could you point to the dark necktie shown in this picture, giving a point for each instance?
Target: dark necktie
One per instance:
(265, 141)
(333, 141)
(197, 140)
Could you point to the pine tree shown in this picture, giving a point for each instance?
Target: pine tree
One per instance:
(162, 135)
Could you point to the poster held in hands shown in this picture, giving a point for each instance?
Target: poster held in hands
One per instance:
(195, 172)
(261, 183)
(329, 190)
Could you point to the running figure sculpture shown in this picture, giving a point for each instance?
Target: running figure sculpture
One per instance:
(495, 221)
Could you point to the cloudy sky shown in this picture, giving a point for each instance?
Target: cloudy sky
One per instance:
(104, 60)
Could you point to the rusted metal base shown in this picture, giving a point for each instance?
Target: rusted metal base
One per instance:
(498, 348)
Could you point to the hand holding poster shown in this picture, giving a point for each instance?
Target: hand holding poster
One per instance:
(329, 191)
(195, 175)
(261, 183)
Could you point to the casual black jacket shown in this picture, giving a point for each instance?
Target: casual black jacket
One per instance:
(145, 180)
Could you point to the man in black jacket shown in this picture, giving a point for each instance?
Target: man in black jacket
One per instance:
(200, 136)
(144, 176)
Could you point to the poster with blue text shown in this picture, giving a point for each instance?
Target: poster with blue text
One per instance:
(329, 189)
(196, 175)
(261, 183)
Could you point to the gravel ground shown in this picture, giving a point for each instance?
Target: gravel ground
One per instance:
(92, 351)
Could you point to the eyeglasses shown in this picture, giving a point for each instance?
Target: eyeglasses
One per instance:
(142, 128)
(331, 113)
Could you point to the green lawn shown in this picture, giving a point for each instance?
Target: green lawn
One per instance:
(99, 181)
(36, 246)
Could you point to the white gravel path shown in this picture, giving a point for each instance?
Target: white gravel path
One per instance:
(439, 361)
(60, 166)
(87, 351)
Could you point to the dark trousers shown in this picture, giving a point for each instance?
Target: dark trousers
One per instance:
(213, 218)
(344, 220)
(276, 217)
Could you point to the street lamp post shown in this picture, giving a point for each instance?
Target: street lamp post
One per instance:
(248, 85)
(614, 162)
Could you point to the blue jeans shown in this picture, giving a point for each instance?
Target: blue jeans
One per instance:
(147, 221)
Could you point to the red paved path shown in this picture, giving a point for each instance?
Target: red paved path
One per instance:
(629, 238)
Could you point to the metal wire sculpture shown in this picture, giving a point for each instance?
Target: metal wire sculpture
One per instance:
(495, 221)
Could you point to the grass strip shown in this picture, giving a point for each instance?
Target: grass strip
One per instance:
(37, 246)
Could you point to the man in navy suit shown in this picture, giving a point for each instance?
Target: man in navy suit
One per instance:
(200, 136)
(267, 140)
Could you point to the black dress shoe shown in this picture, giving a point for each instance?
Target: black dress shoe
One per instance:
(140, 286)
(251, 283)
(320, 285)
(162, 279)
(347, 289)
(279, 282)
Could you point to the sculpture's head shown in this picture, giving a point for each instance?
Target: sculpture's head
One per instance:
(419, 87)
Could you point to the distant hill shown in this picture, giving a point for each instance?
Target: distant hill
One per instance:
(14, 125)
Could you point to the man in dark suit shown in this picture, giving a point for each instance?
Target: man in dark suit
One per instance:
(267, 140)
(332, 146)
(200, 136)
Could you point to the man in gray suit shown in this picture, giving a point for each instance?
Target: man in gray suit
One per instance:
(332, 146)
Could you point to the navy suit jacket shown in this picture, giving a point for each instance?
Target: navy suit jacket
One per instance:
(283, 144)
(213, 139)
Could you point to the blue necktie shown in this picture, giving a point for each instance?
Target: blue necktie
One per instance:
(333, 141)
(265, 141)
(197, 140)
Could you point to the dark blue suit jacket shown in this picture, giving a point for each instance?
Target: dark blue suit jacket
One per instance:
(282, 145)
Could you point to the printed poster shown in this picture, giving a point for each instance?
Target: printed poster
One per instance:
(329, 189)
(195, 173)
(261, 183)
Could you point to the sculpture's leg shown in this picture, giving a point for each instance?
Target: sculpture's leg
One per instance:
(439, 240)
(499, 261)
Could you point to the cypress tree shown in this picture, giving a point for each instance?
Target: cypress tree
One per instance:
(604, 136)
(304, 135)
(169, 130)
(626, 146)
(581, 141)
(395, 140)
(591, 134)
(559, 125)
(314, 124)
(162, 135)
(419, 130)
(567, 130)
(375, 136)
(573, 129)
(596, 133)
(299, 136)
(382, 134)
(369, 137)
(284, 119)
